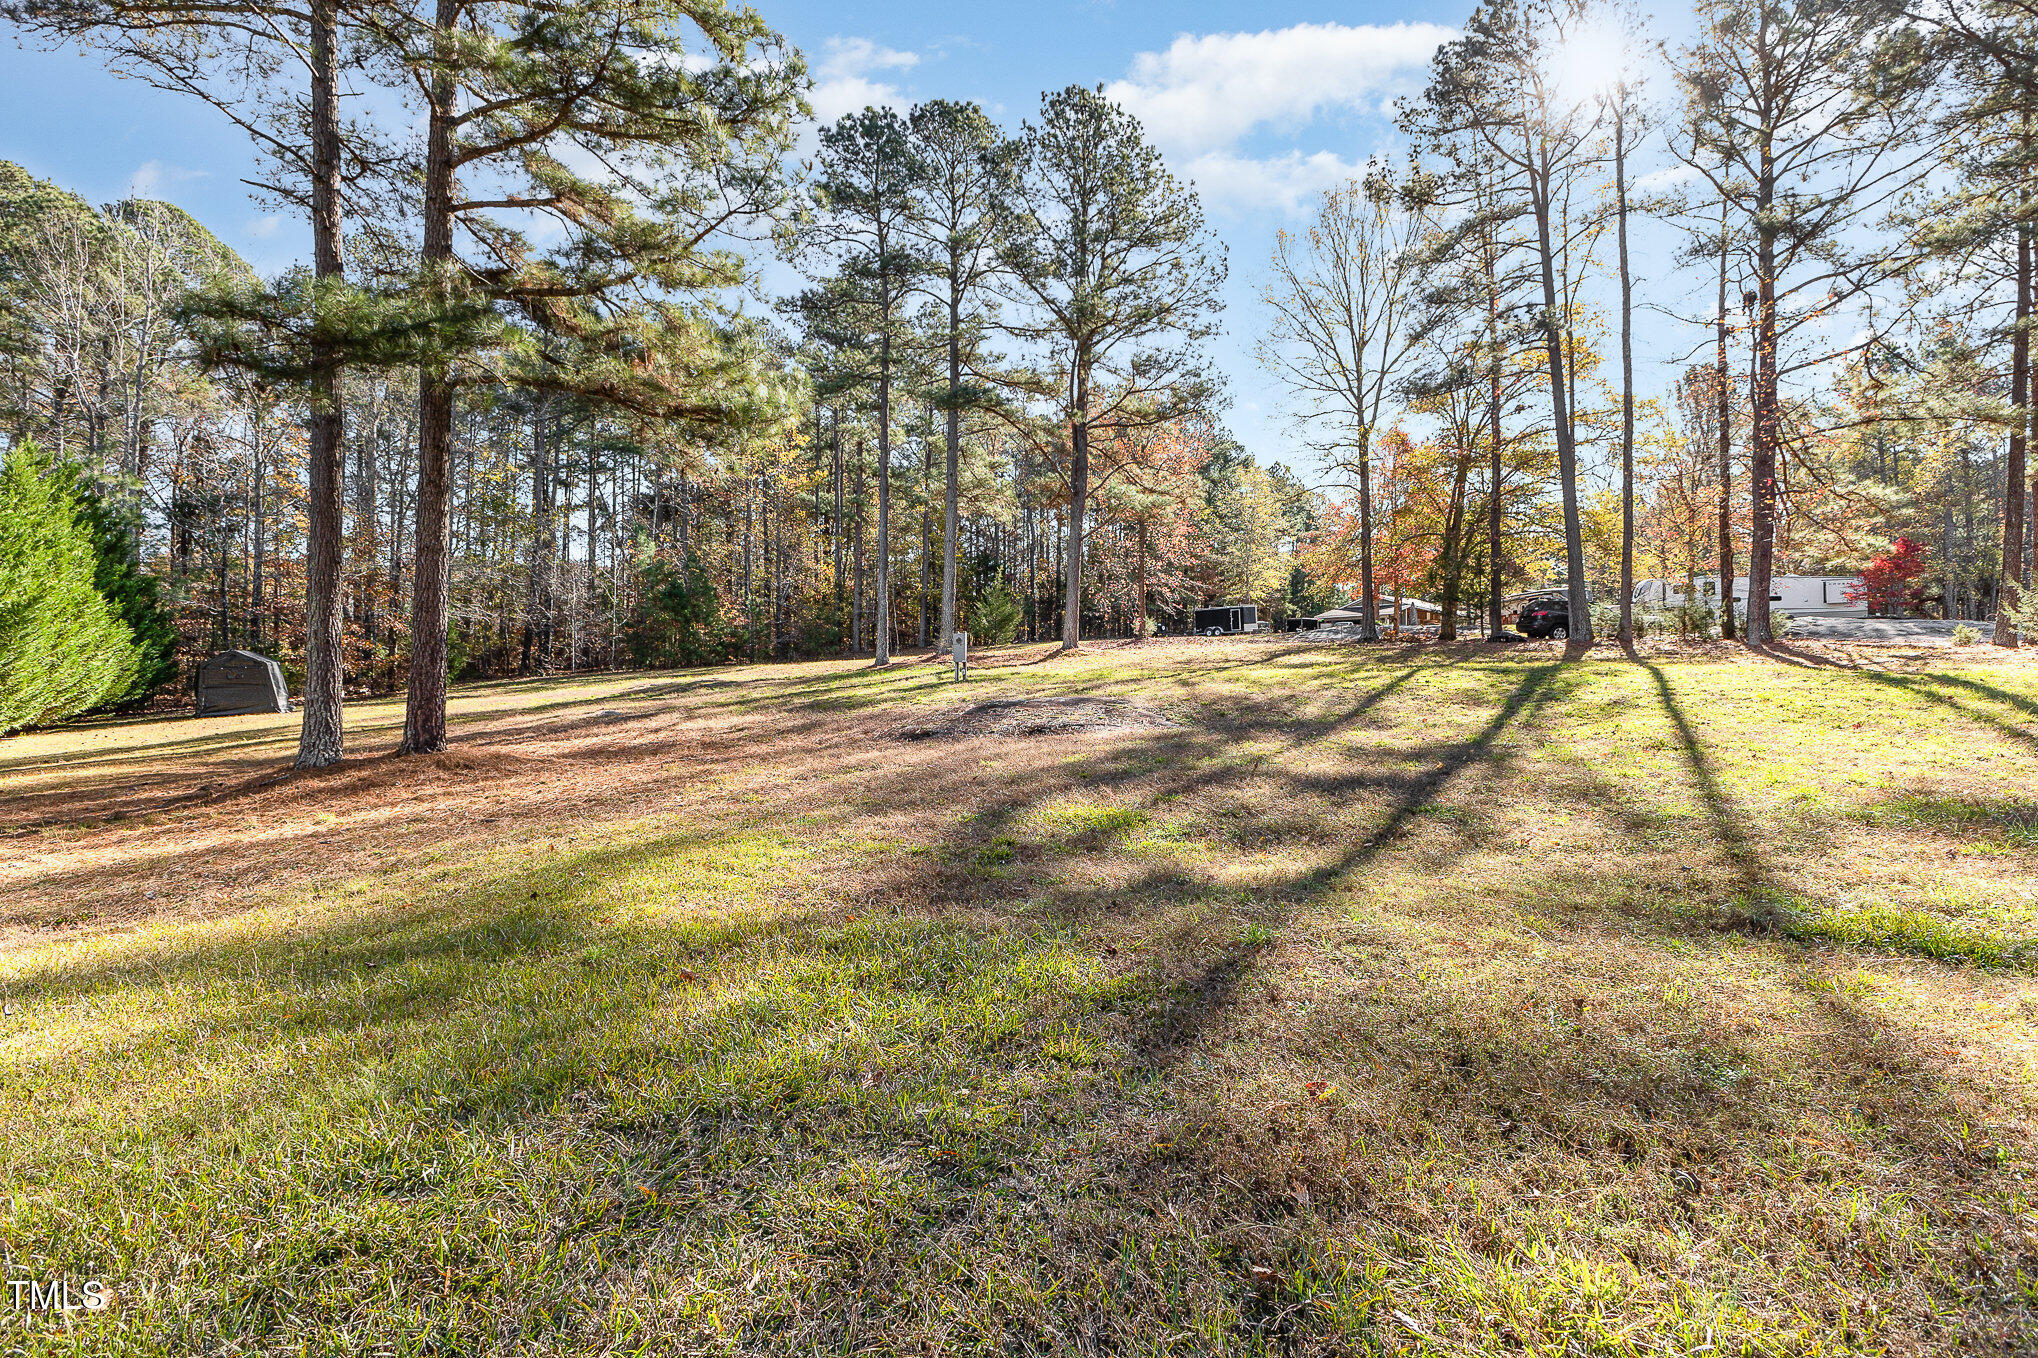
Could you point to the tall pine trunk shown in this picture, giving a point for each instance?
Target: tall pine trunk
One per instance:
(1627, 385)
(1079, 504)
(424, 719)
(839, 524)
(926, 528)
(320, 740)
(881, 624)
(952, 470)
(1762, 459)
(1580, 626)
(856, 610)
(1724, 414)
(2014, 472)
(1496, 625)
(541, 533)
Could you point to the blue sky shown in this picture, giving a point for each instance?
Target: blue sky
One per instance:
(1261, 105)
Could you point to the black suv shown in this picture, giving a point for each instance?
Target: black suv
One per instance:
(1546, 618)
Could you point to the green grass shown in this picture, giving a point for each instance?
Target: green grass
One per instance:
(2002, 824)
(1916, 931)
(1394, 1003)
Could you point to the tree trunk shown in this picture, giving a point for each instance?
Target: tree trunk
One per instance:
(1456, 543)
(258, 542)
(1139, 598)
(424, 720)
(840, 524)
(952, 470)
(1762, 460)
(320, 739)
(1949, 587)
(1079, 501)
(1496, 625)
(926, 526)
(856, 610)
(1724, 413)
(1627, 383)
(881, 623)
(541, 533)
(1369, 625)
(1580, 627)
(2014, 470)
(1032, 573)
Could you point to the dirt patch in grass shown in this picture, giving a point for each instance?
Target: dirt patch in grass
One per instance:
(1067, 714)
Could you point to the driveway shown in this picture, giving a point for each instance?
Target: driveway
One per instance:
(1928, 631)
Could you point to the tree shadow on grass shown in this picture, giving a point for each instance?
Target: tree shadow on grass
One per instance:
(1110, 1178)
(1367, 1109)
(1927, 686)
(200, 744)
(534, 1094)
(1731, 829)
(1204, 989)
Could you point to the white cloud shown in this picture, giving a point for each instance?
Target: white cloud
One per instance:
(842, 82)
(264, 226)
(1669, 177)
(860, 56)
(1207, 91)
(154, 176)
(1282, 183)
(833, 98)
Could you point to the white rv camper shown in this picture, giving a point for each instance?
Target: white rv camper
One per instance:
(1801, 596)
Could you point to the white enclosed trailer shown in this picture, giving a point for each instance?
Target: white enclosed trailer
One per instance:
(1801, 596)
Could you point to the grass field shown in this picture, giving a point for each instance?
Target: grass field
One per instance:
(1419, 1000)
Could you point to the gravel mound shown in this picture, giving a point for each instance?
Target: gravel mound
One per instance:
(1036, 717)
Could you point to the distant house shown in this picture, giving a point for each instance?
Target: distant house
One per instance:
(1335, 617)
(1414, 613)
(1801, 596)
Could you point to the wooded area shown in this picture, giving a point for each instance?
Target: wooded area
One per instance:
(518, 413)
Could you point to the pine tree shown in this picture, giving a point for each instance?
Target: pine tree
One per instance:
(63, 648)
(1107, 250)
(687, 143)
(863, 201)
(232, 55)
(1988, 226)
(1801, 121)
(1496, 91)
(964, 175)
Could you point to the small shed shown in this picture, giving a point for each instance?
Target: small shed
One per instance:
(236, 683)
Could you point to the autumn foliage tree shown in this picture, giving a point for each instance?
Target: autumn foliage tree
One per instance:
(1889, 582)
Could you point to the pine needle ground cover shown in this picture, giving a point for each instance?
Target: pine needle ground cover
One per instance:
(1372, 1001)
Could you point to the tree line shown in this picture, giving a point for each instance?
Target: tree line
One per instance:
(414, 464)
(515, 415)
(1852, 186)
